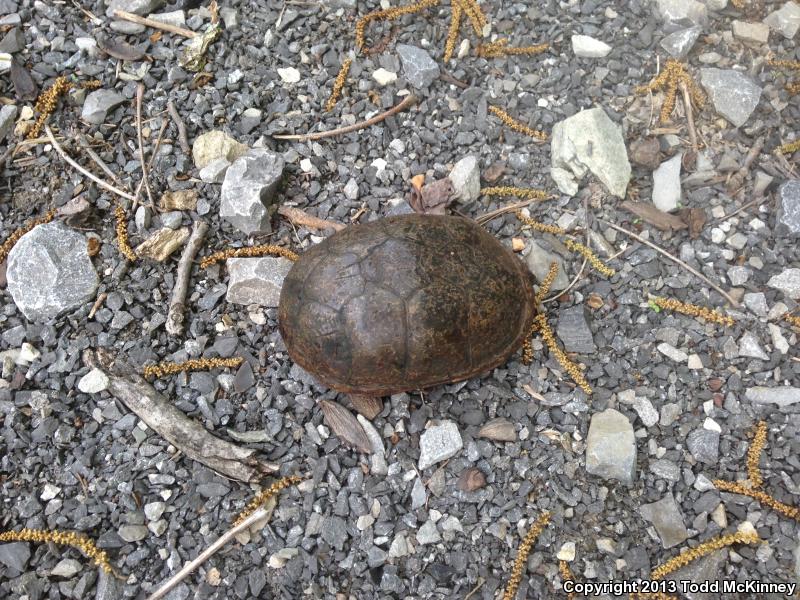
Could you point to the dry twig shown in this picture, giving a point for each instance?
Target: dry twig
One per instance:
(182, 137)
(301, 217)
(139, 98)
(177, 306)
(126, 16)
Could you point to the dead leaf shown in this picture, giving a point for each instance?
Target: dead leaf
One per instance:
(93, 246)
(499, 430)
(369, 406)
(119, 49)
(433, 198)
(595, 301)
(25, 87)
(494, 172)
(472, 479)
(658, 218)
(156, 36)
(200, 80)
(345, 426)
(645, 152)
(695, 219)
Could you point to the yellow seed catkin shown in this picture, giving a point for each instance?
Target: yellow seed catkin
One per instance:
(475, 15)
(701, 550)
(522, 554)
(546, 284)
(501, 48)
(122, 234)
(8, 244)
(517, 126)
(338, 84)
(537, 226)
(701, 312)
(62, 538)
(264, 495)
(507, 190)
(789, 148)
(452, 32)
(792, 319)
(566, 575)
(196, 364)
(570, 367)
(754, 455)
(263, 250)
(673, 74)
(47, 102)
(388, 14)
(598, 264)
(736, 487)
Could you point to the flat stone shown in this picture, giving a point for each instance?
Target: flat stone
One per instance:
(673, 353)
(680, 43)
(384, 77)
(97, 105)
(682, 11)
(13, 42)
(214, 172)
(256, 280)
(137, 7)
(778, 340)
(418, 494)
(66, 568)
(8, 115)
(734, 95)
(539, 260)
(665, 469)
(573, 330)
(249, 188)
(438, 443)
(787, 282)
(160, 244)
(751, 348)
(646, 411)
(788, 207)
(213, 145)
(589, 47)
(428, 534)
(49, 272)
(780, 396)
(757, 33)
(179, 200)
(666, 517)
(785, 20)
(667, 184)
(704, 445)
(419, 69)
(15, 556)
(133, 533)
(611, 447)
(589, 141)
(466, 179)
(93, 382)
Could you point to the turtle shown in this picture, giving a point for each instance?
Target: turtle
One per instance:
(405, 303)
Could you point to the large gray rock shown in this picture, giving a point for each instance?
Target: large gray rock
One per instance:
(7, 115)
(15, 557)
(781, 396)
(50, 272)
(679, 43)
(97, 105)
(249, 188)
(589, 142)
(667, 184)
(419, 69)
(734, 95)
(788, 281)
(788, 207)
(682, 11)
(256, 280)
(785, 20)
(666, 517)
(611, 447)
(137, 7)
(438, 443)
(573, 330)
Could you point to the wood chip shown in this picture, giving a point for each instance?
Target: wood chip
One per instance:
(658, 218)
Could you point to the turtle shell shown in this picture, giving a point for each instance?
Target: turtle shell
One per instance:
(405, 303)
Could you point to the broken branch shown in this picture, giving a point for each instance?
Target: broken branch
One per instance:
(182, 137)
(126, 16)
(177, 307)
(300, 217)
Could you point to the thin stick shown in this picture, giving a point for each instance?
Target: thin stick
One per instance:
(80, 169)
(257, 515)
(691, 270)
(97, 304)
(126, 16)
(493, 214)
(98, 161)
(687, 105)
(182, 138)
(139, 97)
(407, 102)
(737, 179)
(91, 16)
(300, 217)
(474, 591)
(153, 155)
(742, 208)
(177, 308)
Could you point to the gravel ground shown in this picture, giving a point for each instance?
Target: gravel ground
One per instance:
(81, 461)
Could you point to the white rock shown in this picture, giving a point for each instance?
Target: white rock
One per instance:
(466, 179)
(289, 74)
(785, 20)
(66, 568)
(378, 456)
(667, 184)
(428, 534)
(672, 352)
(154, 510)
(780, 343)
(788, 282)
(750, 347)
(694, 362)
(49, 492)
(588, 47)
(351, 189)
(439, 443)
(93, 382)
(365, 522)
(781, 396)
(646, 411)
(758, 33)
(566, 552)
(214, 172)
(711, 425)
(384, 77)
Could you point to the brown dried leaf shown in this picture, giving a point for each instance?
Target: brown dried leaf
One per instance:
(433, 198)
(156, 36)
(472, 479)
(499, 430)
(369, 406)
(25, 87)
(494, 172)
(645, 152)
(595, 301)
(658, 218)
(695, 219)
(345, 426)
(93, 246)
(119, 49)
